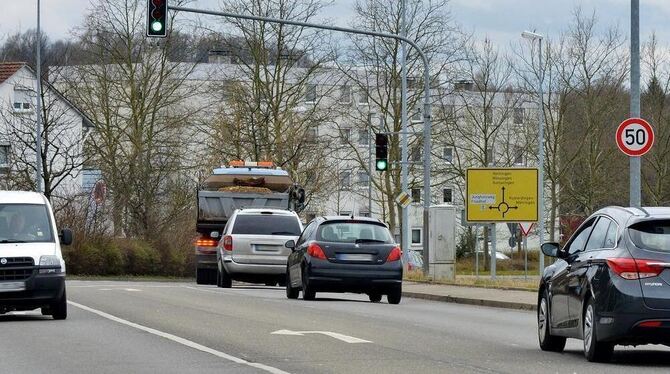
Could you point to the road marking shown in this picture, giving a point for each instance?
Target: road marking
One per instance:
(182, 341)
(338, 336)
(132, 289)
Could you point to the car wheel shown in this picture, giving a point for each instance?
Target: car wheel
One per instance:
(308, 292)
(548, 342)
(394, 296)
(291, 293)
(223, 279)
(375, 297)
(594, 350)
(58, 309)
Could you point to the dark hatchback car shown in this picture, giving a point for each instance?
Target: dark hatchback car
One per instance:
(340, 254)
(610, 284)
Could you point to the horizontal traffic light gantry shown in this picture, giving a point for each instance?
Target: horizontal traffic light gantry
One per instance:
(381, 152)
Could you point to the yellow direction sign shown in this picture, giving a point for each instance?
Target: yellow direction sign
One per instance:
(501, 195)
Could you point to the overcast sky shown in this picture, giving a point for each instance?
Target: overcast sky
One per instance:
(500, 20)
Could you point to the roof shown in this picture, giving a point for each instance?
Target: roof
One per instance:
(281, 212)
(7, 69)
(21, 197)
(355, 218)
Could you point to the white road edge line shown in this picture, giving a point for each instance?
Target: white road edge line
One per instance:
(180, 340)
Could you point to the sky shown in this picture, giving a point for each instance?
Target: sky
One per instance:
(500, 20)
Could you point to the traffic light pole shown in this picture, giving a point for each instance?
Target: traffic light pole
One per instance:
(426, 99)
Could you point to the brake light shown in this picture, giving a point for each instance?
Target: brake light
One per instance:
(394, 255)
(651, 324)
(228, 243)
(628, 268)
(315, 251)
(205, 242)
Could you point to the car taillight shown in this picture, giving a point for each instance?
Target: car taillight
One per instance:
(629, 268)
(228, 243)
(206, 242)
(395, 255)
(315, 251)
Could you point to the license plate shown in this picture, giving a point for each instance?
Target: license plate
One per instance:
(355, 257)
(12, 286)
(267, 248)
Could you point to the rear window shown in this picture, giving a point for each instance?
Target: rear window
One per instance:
(653, 235)
(352, 232)
(266, 224)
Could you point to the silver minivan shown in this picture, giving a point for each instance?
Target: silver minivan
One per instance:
(252, 247)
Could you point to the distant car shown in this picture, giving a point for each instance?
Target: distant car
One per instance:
(345, 254)
(252, 247)
(32, 269)
(610, 285)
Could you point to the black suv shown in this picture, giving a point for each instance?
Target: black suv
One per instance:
(610, 284)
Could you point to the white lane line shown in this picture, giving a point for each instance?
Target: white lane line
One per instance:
(131, 289)
(182, 341)
(335, 335)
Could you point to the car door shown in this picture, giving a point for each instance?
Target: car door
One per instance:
(295, 258)
(579, 268)
(559, 288)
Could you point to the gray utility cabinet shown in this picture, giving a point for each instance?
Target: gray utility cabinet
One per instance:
(442, 236)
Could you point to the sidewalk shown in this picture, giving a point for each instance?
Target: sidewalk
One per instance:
(500, 298)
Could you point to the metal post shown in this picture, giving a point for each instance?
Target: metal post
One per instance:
(38, 108)
(477, 251)
(525, 261)
(493, 251)
(370, 164)
(427, 124)
(404, 228)
(635, 162)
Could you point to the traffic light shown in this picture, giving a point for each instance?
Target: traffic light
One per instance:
(157, 11)
(381, 152)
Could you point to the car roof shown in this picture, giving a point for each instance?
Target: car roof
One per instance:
(21, 197)
(279, 212)
(631, 215)
(352, 218)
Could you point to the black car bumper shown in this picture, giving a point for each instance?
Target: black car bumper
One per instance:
(206, 261)
(333, 277)
(40, 290)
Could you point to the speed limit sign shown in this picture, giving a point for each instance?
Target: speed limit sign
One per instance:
(635, 137)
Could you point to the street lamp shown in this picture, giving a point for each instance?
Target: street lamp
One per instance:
(540, 142)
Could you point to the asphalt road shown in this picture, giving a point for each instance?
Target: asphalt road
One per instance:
(142, 327)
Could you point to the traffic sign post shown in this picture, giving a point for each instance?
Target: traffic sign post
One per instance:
(635, 137)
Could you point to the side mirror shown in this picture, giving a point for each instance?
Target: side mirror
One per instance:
(551, 249)
(290, 244)
(65, 237)
(214, 234)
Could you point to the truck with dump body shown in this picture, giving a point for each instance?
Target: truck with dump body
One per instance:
(243, 184)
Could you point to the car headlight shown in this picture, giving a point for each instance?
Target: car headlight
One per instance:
(50, 265)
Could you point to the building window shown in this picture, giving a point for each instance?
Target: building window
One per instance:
(448, 154)
(363, 137)
(363, 179)
(489, 156)
(412, 83)
(345, 179)
(518, 116)
(447, 196)
(344, 213)
(518, 156)
(22, 100)
(89, 177)
(416, 116)
(311, 134)
(416, 236)
(415, 155)
(4, 155)
(310, 93)
(345, 94)
(416, 195)
(488, 114)
(364, 97)
(364, 213)
(345, 136)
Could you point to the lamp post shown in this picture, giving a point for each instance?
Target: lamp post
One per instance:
(540, 139)
(38, 108)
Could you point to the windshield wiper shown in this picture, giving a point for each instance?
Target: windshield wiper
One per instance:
(369, 241)
(5, 241)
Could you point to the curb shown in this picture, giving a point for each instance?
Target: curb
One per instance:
(503, 288)
(468, 301)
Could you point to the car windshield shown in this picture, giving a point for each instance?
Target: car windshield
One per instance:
(353, 232)
(266, 224)
(24, 223)
(653, 235)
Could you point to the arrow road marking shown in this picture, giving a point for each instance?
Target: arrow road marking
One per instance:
(338, 336)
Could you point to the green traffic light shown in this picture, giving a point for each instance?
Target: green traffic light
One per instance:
(381, 165)
(156, 26)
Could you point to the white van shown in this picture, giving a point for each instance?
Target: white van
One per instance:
(32, 270)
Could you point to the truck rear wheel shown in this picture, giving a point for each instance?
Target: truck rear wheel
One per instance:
(205, 276)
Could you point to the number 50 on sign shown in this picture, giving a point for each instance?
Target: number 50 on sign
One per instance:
(635, 137)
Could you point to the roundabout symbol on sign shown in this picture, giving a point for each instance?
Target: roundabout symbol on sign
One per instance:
(635, 137)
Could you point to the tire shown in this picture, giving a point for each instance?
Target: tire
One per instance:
(223, 279)
(308, 292)
(594, 350)
(548, 342)
(291, 293)
(394, 296)
(375, 297)
(58, 310)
